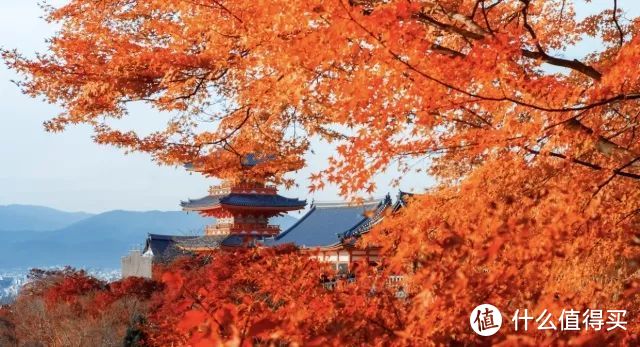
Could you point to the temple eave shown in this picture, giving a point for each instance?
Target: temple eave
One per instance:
(242, 207)
(201, 208)
(199, 249)
(263, 208)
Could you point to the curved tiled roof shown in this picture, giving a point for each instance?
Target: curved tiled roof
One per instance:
(203, 242)
(401, 200)
(375, 216)
(164, 247)
(167, 247)
(245, 200)
(323, 224)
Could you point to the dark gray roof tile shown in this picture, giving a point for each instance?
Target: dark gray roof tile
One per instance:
(323, 225)
(164, 247)
(234, 199)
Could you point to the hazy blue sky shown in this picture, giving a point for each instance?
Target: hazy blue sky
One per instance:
(68, 171)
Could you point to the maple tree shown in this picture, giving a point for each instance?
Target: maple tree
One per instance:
(536, 155)
(269, 296)
(223, 296)
(70, 308)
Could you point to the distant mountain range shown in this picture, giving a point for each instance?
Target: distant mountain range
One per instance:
(35, 236)
(36, 218)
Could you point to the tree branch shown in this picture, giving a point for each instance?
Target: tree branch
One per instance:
(541, 54)
(571, 64)
(424, 18)
(403, 61)
(474, 31)
(447, 51)
(593, 166)
(615, 21)
(608, 180)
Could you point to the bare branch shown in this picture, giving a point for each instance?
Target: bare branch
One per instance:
(447, 51)
(615, 21)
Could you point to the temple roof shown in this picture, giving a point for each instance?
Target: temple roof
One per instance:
(167, 247)
(374, 217)
(203, 242)
(163, 247)
(253, 159)
(401, 200)
(324, 224)
(243, 200)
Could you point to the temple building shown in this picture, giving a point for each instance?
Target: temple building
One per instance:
(242, 211)
(328, 232)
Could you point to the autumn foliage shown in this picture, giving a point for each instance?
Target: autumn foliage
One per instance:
(536, 156)
(271, 296)
(232, 298)
(70, 308)
(224, 297)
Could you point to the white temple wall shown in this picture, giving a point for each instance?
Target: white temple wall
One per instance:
(136, 265)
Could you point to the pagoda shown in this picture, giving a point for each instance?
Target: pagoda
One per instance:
(242, 208)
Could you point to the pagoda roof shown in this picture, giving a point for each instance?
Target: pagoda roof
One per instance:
(324, 224)
(243, 200)
(253, 159)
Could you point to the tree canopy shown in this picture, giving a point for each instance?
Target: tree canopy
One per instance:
(535, 155)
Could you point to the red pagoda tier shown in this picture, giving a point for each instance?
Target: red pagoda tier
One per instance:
(243, 208)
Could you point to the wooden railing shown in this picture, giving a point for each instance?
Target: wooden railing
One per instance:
(396, 282)
(395, 279)
(236, 228)
(227, 188)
